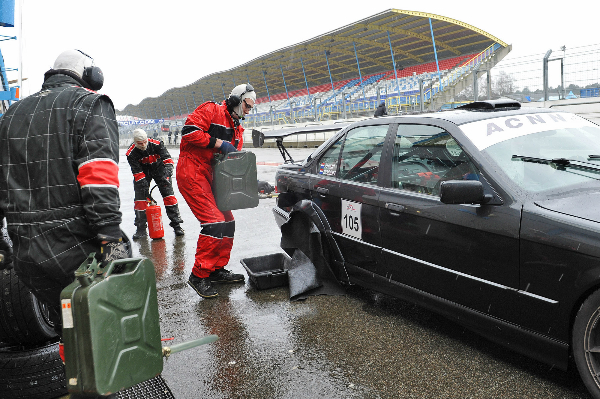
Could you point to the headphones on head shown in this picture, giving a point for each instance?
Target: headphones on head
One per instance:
(92, 75)
(235, 100)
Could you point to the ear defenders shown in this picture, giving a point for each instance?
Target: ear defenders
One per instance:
(234, 100)
(93, 76)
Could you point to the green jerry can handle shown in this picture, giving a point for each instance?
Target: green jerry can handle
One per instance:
(91, 268)
(87, 271)
(169, 350)
(110, 268)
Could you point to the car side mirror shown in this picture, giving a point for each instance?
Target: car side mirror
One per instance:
(463, 192)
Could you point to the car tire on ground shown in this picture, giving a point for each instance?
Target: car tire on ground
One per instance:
(23, 319)
(586, 343)
(31, 372)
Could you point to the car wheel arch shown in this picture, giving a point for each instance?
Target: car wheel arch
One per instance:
(313, 213)
(577, 307)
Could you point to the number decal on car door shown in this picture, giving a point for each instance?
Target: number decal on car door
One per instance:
(351, 222)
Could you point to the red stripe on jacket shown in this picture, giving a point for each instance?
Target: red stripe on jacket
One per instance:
(139, 176)
(99, 172)
(131, 147)
(170, 200)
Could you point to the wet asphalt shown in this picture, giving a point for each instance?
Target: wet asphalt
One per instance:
(360, 345)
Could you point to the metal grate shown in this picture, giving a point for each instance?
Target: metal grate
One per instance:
(155, 388)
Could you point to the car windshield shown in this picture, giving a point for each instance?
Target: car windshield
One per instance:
(541, 152)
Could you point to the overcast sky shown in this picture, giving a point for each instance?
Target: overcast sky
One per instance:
(147, 47)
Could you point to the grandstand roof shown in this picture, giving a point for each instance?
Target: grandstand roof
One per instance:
(292, 67)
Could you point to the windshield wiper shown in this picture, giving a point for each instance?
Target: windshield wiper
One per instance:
(559, 163)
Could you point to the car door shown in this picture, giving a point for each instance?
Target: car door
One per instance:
(466, 253)
(344, 186)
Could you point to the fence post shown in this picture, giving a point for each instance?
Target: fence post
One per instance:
(545, 71)
(476, 83)
(421, 97)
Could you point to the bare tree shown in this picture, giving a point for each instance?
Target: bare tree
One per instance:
(504, 84)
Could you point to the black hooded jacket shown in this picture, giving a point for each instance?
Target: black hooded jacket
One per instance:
(59, 157)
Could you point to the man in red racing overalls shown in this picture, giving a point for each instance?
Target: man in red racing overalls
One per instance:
(210, 129)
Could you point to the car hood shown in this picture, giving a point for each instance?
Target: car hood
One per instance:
(582, 205)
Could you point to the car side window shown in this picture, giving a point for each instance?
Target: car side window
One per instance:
(424, 156)
(361, 154)
(328, 164)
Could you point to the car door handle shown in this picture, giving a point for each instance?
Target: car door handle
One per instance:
(322, 190)
(394, 207)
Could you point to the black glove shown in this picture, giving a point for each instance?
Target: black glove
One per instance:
(112, 248)
(6, 255)
(226, 147)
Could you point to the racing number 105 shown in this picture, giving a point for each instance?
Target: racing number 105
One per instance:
(351, 222)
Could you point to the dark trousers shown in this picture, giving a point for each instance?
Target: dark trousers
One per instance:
(166, 190)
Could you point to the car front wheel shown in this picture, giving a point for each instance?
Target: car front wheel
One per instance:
(586, 343)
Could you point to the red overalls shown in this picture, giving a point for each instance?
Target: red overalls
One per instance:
(209, 122)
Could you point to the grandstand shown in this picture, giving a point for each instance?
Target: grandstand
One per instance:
(411, 60)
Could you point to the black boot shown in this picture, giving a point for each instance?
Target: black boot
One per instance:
(202, 286)
(140, 233)
(178, 230)
(225, 276)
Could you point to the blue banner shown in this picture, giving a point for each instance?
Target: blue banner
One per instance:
(7, 13)
(141, 122)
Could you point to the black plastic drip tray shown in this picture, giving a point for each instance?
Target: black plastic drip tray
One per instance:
(154, 388)
(267, 271)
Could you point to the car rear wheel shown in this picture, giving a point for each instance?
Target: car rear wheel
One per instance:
(586, 343)
(23, 319)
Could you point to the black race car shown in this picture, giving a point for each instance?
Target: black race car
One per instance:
(487, 214)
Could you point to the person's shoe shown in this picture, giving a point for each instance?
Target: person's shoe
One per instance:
(202, 286)
(178, 231)
(225, 276)
(140, 233)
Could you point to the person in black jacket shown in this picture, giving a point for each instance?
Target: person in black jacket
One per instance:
(149, 159)
(381, 110)
(59, 179)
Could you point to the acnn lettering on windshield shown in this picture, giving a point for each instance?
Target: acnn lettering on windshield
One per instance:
(492, 131)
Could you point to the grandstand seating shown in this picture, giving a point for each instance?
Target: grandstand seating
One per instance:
(398, 89)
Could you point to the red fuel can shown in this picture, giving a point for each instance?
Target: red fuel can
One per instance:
(155, 224)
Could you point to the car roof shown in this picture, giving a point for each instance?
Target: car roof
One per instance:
(457, 116)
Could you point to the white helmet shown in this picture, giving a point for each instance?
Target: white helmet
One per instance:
(74, 61)
(82, 65)
(237, 96)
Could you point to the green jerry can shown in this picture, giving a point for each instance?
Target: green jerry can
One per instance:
(235, 183)
(111, 329)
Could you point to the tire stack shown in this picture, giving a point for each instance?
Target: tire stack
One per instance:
(30, 366)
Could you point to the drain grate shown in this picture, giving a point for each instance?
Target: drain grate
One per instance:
(155, 388)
